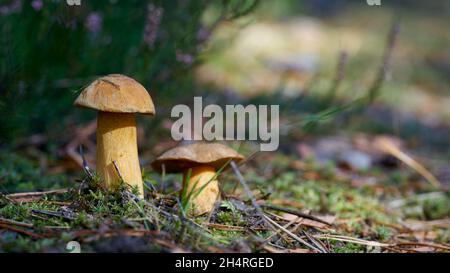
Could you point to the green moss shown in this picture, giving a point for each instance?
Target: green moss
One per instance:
(339, 247)
(382, 233)
(229, 215)
(437, 208)
(19, 174)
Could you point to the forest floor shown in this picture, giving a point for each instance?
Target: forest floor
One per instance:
(349, 176)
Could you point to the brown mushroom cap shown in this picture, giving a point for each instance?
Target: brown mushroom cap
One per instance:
(184, 157)
(116, 93)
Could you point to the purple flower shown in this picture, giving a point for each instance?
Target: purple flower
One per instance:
(94, 22)
(14, 7)
(152, 23)
(37, 5)
(203, 34)
(184, 58)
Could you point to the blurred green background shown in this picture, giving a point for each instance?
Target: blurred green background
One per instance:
(50, 50)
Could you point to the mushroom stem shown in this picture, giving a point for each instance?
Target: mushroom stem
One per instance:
(117, 141)
(202, 176)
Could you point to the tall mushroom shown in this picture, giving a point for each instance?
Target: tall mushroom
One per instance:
(117, 98)
(204, 160)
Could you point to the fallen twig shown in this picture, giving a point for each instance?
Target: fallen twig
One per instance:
(18, 230)
(285, 226)
(53, 214)
(297, 213)
(225, 227)
(392, 149)
(249, 193)
(86, 168)
(433, 245)
(32, 196)
(350, 240)
(316, 242)
(7, 198)
(15, 223)
(291, 234)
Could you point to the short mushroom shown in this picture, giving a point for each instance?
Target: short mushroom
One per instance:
(204, 160)
(117, 98)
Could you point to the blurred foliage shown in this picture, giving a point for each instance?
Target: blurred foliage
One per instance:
(50, 50)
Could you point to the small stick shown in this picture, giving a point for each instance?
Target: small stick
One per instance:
(249, 193)
(297, 213)
(278, 231)
(390, 148)
(117, 170)
(133, 199)
(110, 82)
(32, 195)
(141, 210)
(316, 242)
(9, 222)
(52, 213)
(292, 234)
(444, 247)
(350, 240)
(15, 223)
(86, 168)
(7, 198)
(18, 230)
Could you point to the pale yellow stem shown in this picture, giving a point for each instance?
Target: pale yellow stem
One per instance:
(117, 141)
(202, 176)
